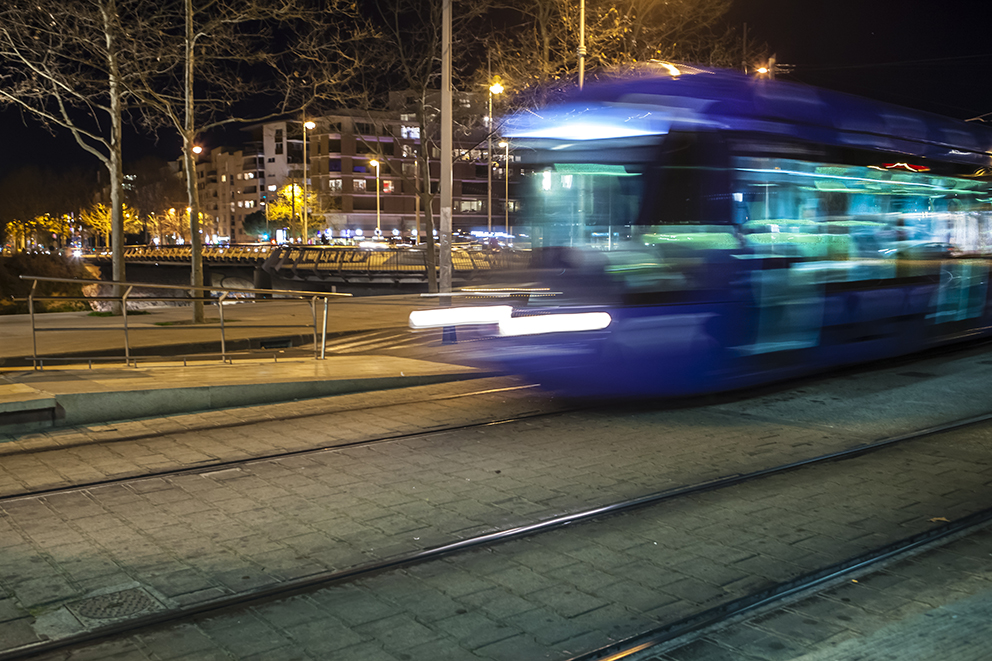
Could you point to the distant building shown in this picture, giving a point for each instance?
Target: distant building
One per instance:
(340, 149)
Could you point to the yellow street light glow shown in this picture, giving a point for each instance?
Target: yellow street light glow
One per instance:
(374, 163)
(490, 314)
(762, 70)
(197, 149)
(310, 125)
(496, 88)
(554, 323)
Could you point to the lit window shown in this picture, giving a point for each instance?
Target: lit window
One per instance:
(410, 132)
(223, 177)
(249, 175)
(334, 185)
(387, 186)
(359, 185)
(273, 188)
(566, 181)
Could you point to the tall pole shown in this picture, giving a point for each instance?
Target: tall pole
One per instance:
(489, 159)
(506, 176)
(196, 245)
(582, 42)
(495, 88)
(306, 125)
(446, 146)
(378, 219)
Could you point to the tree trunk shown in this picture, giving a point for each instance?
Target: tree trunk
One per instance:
(189, 135)
(114, 163)
(426, 196)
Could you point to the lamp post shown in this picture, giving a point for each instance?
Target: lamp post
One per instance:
(582, 42)
(495, 88)
(378, 226)
(505, 144)
(306, 125)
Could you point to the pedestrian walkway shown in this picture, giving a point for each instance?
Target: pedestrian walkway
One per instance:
(164, 378)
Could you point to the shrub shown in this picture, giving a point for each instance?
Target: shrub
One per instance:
(52, 266)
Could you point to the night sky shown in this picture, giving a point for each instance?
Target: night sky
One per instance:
(935, 55)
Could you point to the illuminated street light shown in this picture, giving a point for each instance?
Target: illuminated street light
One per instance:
(306, 125)
(505, 144)
(495, 88)
(197, 149)
(378, 226)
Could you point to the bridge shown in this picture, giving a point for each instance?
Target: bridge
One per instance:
(267, 266)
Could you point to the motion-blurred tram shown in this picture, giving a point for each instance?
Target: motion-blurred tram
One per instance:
(705, 231)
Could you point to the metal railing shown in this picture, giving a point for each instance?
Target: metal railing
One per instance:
(128, 288)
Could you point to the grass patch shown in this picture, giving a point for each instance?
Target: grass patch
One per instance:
(190, 323)
(111, 314)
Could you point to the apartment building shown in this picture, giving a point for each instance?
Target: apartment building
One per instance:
(343, 151)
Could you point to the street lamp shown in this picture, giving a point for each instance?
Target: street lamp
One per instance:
(495, 88)
(505, 144)
(306, 125)
(378, 226)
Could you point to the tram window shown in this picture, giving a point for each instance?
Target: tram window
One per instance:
(834, 211)
(692, 182)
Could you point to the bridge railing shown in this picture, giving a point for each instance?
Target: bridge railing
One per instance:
(127, 288)
(326, 260)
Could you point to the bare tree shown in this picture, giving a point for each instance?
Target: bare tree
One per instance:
(406, 54)
(155, 187)
(64, 62)
(538, 50)
(212, 56)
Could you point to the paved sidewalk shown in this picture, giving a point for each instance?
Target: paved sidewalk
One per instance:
(73, 393)
(71, 334)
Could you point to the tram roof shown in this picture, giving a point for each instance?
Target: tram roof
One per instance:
(662, 97)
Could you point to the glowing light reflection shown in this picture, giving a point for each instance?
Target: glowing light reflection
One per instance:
(490, 314)
(554, 323)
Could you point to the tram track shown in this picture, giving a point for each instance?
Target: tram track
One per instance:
(5, 453)
(650, 642)
(214, 466)
(705, 618)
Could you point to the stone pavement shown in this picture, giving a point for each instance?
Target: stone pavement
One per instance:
(936, 605)
(191, 538)
(169, 327)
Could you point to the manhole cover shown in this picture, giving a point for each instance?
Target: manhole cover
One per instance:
(115, 605)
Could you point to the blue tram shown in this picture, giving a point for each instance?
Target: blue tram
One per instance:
(706, 231)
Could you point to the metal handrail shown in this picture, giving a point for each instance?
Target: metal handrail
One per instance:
(129, 287)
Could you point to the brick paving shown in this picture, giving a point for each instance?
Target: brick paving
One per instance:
(934, 605)
(585, 586)
(192, 538)
(62, 457)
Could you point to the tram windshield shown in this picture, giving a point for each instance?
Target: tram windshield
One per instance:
(582, 204)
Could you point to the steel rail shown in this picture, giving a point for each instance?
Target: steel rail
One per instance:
(782, 592)
(244, 423)
(244, 461)
(319, 580)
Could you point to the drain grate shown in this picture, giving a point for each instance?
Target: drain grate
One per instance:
(115, 605)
